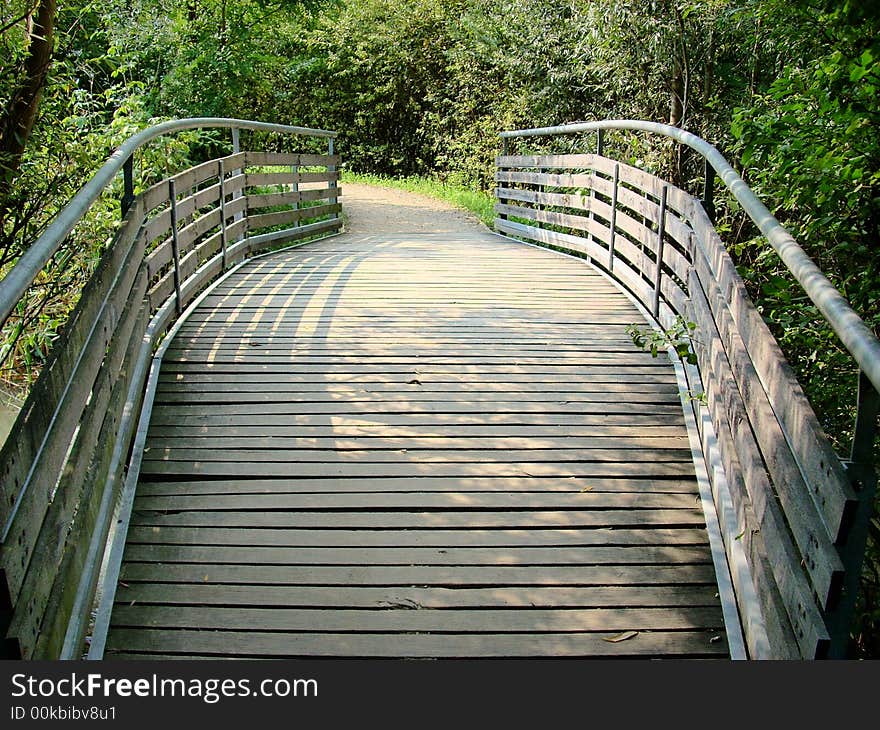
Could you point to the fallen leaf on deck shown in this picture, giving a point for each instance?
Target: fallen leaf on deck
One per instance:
(621, 637)
(587, 489)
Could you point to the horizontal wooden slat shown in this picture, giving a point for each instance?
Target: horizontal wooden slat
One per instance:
(543, 162)
(34, 454)
(423, 519)
(444, 538)
(776, 546)
(266, 220)
(256, 201)
(257, 644)
(76, 489)
(157, 194)
(423, 620)
(156, 552)
(819, 556)
(505, 462)
(419, 501)
(436, 597)
(828, 483)
(422, 485)
(262, 179)
(275, 159)
(64, 620)
(421, 575)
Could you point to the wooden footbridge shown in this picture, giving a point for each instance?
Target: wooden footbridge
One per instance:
(399, 443)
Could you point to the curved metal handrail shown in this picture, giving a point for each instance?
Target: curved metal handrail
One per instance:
(32, 261)
(856, 336)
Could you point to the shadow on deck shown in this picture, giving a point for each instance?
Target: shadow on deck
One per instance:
(416, 445)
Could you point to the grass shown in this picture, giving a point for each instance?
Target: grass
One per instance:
(476, 201)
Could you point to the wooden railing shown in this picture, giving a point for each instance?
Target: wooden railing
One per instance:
(792, 513)
(63, 463)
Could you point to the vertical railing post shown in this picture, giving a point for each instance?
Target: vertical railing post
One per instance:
(221, 175)
(331, 169)
(708, 190)
(863, 477)
(600, 149)
(294, 171)
(175, 249)
(127, 185)
(236, 148)
(505, 151)
(613, 224)
(661, 235)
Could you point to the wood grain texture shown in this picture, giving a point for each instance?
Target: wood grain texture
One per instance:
(364, 426)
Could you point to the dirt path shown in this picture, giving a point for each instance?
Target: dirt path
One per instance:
(371, 209)
(368, 210)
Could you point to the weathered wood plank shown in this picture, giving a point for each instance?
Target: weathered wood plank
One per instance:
(189, 442)
(482, 485)
(829, 485)
(418, 501)
(267, 220)
(61, 608)
(486, 472)
(157, 194)
(346, 470)
(421, 575)
(263, 179)
(767, 538)
(328, 457)
(434, 597)
(819, 556)
(636, 555)
(424, 519)
(56, 542)
(424, 620)
(258, 644)
(440, 538)
(35, 452)
(276, 159)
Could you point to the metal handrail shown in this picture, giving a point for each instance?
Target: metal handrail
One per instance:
(32, 261)
(856, 336)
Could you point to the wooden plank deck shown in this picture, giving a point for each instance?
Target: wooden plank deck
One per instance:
(416, 445)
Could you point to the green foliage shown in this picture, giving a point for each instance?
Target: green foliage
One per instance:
(419, 89)
(678, 338)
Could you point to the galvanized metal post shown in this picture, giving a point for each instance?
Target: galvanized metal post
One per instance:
(661, 236)
(175, 249)
(708, 190)
(294, 170)
(331, 169)
(613, 224)
(236, 148)
(505, 151)
(221, 175)
(863, 476)
(127, 184)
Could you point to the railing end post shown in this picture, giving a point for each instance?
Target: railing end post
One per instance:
(127, 185)
(863, 477)
(708, 200)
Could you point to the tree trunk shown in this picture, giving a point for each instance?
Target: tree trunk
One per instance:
(676, 106)
(18, 118)
(709, 73)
